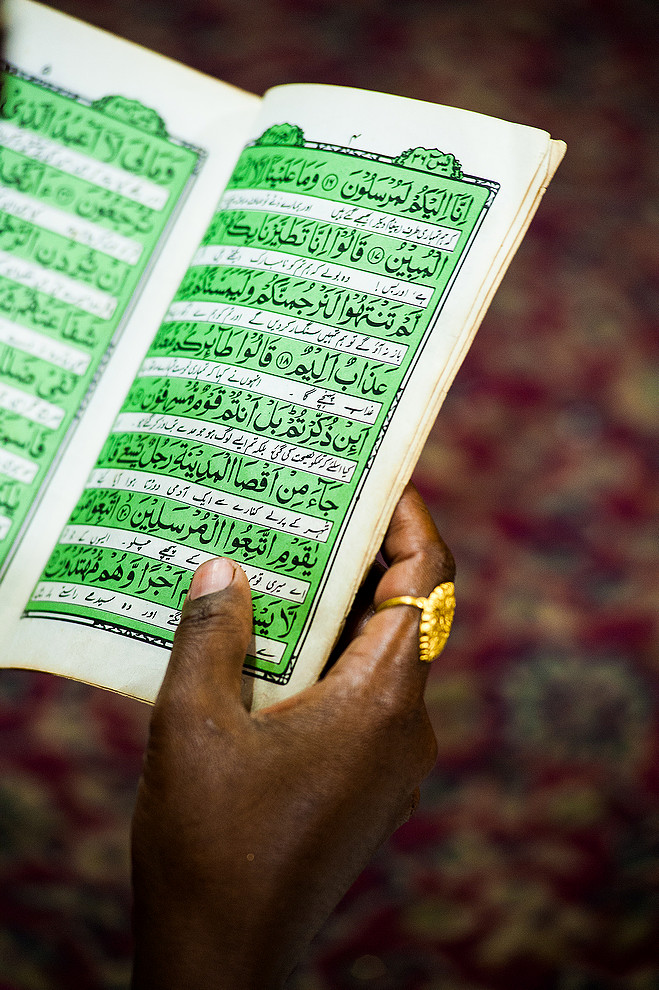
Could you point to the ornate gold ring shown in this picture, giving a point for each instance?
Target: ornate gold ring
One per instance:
(436, 618)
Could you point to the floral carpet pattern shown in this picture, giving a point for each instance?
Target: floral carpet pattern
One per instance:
(532, 862)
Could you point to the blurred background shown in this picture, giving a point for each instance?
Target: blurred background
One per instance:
(533, 860)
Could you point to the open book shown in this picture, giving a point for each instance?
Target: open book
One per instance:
(227, 325)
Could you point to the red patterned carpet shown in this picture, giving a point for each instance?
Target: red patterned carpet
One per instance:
(533, 860)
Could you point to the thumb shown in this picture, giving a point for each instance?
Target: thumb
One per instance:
(211, 641)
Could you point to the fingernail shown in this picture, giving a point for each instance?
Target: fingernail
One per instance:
(213, 575)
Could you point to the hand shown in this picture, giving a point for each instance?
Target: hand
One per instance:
(249, 828)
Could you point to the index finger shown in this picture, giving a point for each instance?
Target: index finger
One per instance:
(387, 648)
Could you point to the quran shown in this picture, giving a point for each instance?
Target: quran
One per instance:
(227, 324)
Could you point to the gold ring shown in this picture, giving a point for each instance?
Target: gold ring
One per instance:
(436, 618)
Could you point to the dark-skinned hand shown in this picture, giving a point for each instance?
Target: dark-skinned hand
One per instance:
(250, 827)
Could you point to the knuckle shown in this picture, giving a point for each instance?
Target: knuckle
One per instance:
(439, 562)
(212, 614)
(391, 703)
(402, 715)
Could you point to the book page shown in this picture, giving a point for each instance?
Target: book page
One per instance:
(97, 169)
(282, 404)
